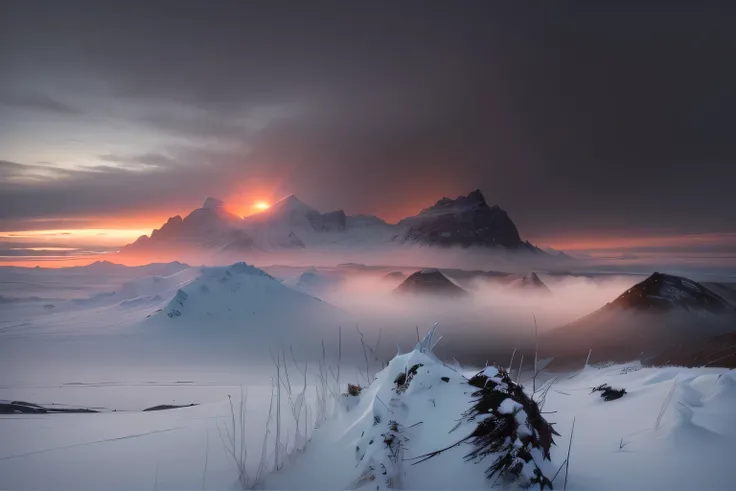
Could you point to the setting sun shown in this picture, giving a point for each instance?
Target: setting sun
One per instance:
(261, 205)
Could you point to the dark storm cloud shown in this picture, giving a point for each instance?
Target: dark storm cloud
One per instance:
(37, 102)
(588, 116)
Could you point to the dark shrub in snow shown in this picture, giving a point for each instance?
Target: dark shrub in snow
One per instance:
(354, 390)
(403, 379)
(608, 393)
(510, 428)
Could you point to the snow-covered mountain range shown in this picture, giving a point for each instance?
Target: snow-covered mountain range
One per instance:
(291, 224)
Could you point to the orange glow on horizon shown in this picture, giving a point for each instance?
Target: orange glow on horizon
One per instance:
(261, 205)
(91, 236)
(623, 242)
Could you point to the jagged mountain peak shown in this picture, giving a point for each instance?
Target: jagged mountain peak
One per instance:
(473, 200)
(464, 221)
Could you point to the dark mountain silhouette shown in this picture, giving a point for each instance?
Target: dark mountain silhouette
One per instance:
(465, 221)
(663, 292)
(660, 313)
(429, 282)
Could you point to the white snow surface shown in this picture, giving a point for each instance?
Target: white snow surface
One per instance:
(616, 445)
(71, 355)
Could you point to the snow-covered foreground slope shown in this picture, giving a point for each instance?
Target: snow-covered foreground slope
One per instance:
(674, 429)
(621, 444)
(104, 345)
(128, 449)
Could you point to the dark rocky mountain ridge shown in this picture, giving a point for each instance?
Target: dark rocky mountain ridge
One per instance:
(464, 221)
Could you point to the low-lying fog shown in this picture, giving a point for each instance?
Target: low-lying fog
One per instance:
(98, 331)
(493, 319)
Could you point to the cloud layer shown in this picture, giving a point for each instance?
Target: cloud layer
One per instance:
(603, 119)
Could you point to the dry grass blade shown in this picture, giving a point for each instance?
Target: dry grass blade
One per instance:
(558, 470)
(234, 444)
(569, 448)
(536, 353)
(206, 459)
(521, 363)
(511, 363)
(365, 354)
(665, 404)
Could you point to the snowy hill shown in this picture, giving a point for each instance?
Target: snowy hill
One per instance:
(155, 284)
(240, 292)
(429, 282)
(241, 305)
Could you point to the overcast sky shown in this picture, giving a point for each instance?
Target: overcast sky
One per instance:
(581, 119)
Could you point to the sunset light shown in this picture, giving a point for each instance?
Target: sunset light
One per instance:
(200, 197)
